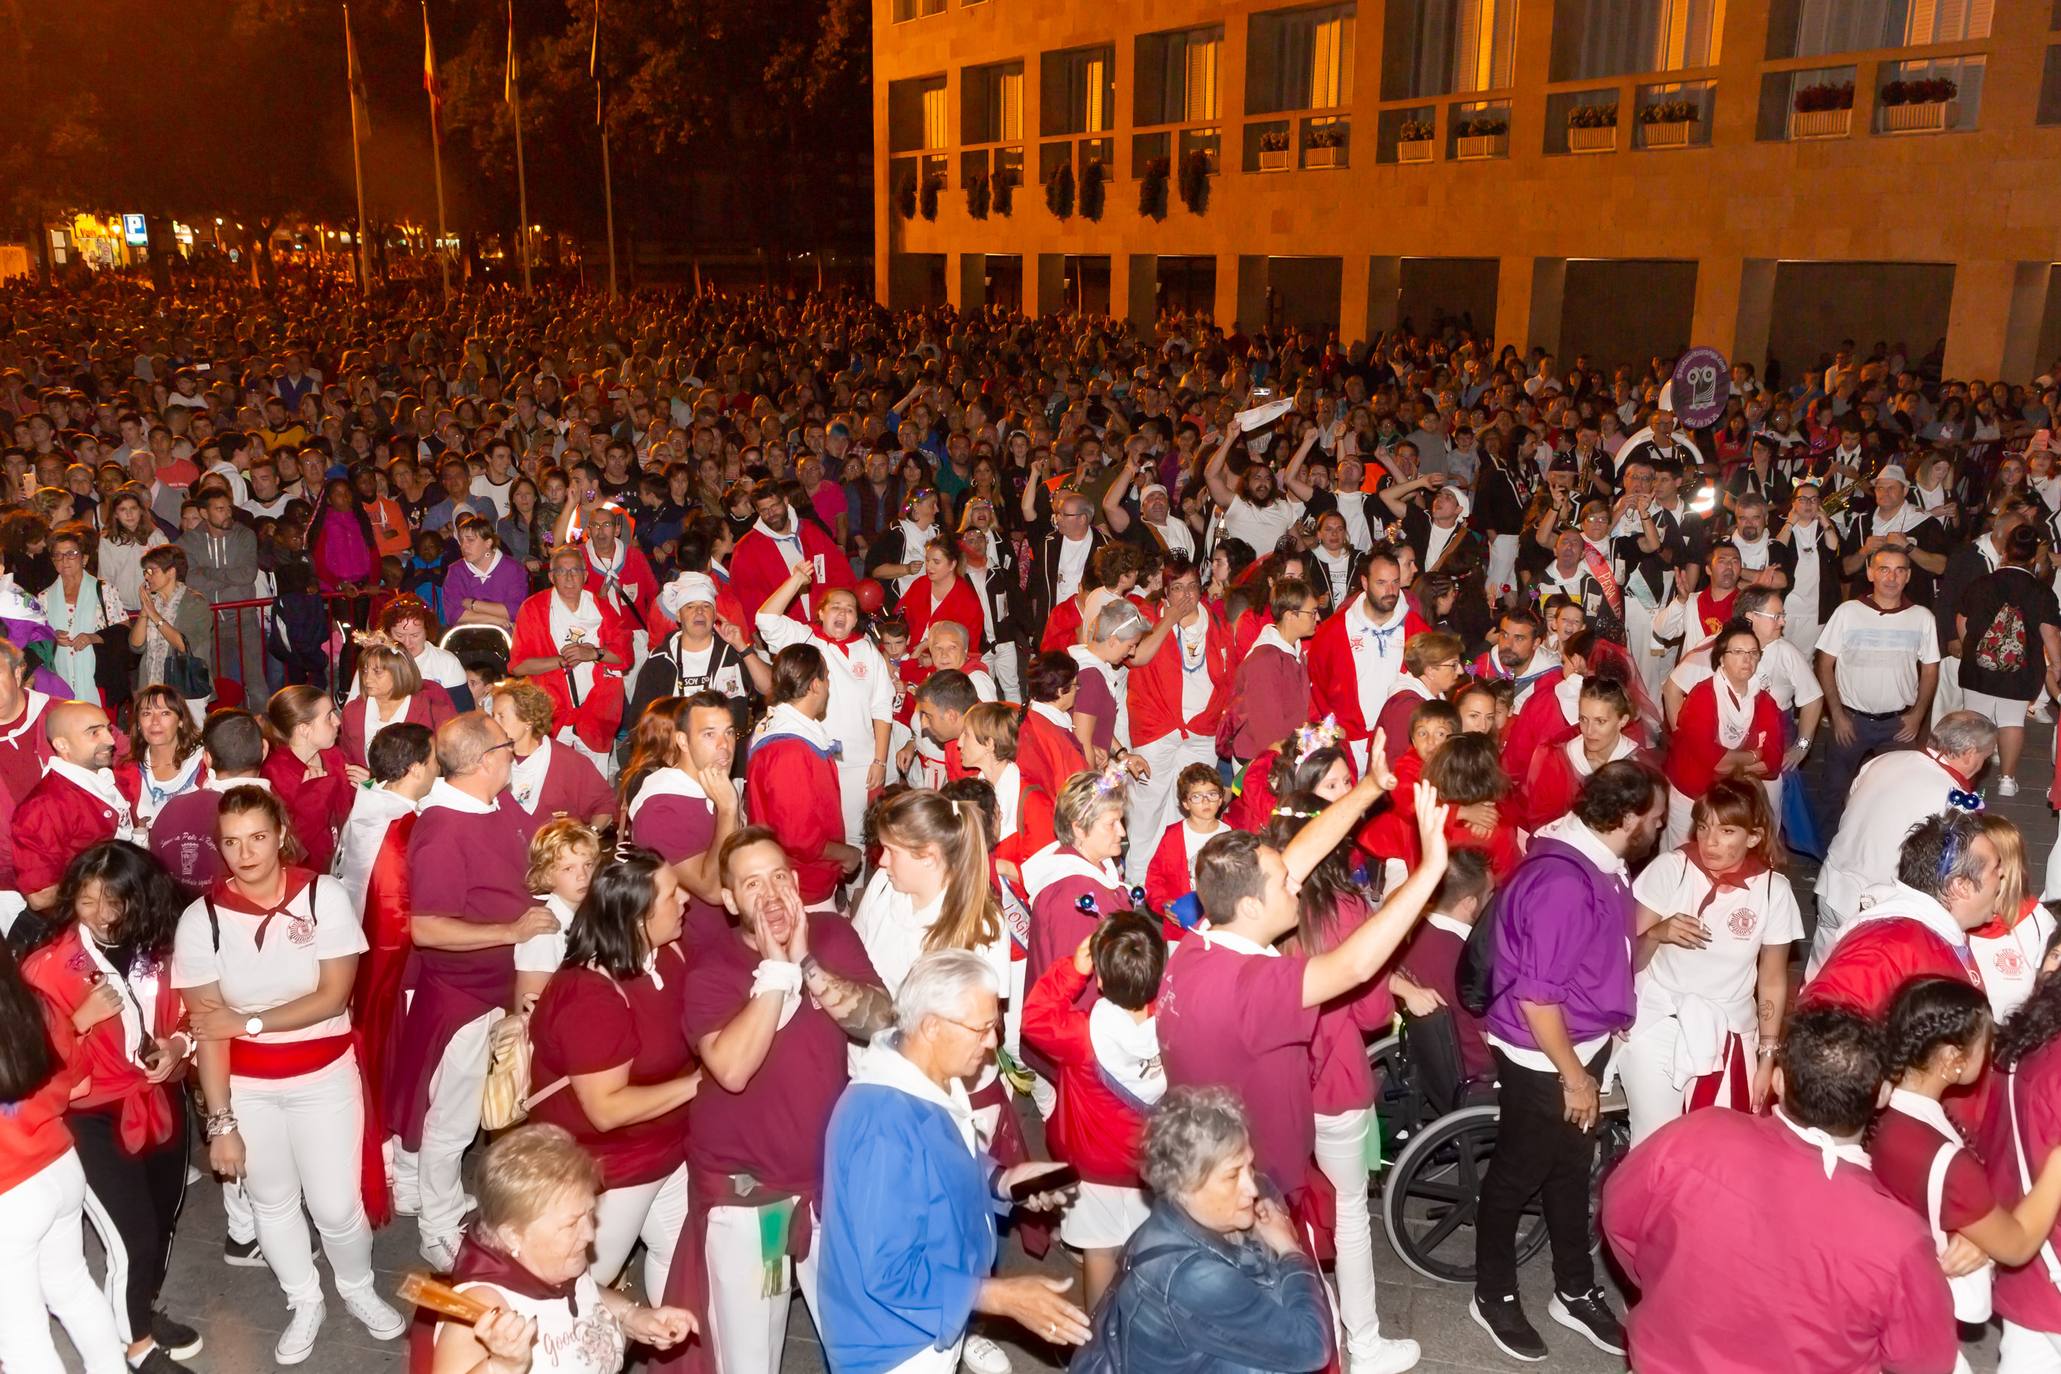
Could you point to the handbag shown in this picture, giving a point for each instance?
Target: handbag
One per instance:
(506, 1100)
(188, 675)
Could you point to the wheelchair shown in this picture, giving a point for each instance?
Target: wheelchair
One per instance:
(1438, 1133)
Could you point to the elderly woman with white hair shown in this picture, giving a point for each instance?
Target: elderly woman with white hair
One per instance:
(1215, 1279)
(909, 1205)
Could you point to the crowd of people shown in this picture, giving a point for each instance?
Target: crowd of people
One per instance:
(690, 800)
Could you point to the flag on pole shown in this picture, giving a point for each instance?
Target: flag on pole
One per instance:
(508, 81)
(430, 83)
(361, 105)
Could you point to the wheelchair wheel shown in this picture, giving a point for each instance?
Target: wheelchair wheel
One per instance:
(1397, 1107)
(1429, 1197)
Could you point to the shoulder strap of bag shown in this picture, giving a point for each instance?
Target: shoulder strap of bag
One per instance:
(214, 921)
(529, 1103)
(2047, 1255)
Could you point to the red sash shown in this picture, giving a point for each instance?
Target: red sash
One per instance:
(291, 1059)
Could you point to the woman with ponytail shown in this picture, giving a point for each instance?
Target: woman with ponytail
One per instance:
(308, 770)
(932, 890)
(1938, 1038)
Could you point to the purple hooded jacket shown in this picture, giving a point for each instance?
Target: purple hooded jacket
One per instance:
(1564, 932)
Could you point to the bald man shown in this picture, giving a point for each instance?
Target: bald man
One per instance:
(467, 860)
(74, 805)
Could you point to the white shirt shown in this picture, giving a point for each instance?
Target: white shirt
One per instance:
(1192, 642)
(577, 1337)
(1377, 649)
(1261, 526)
(316, 924)
(577, 624)
(544, 953)
(862, 685)
(1891, 793)
(1741, 920)
(2009, 960)
(526, 777)
(373, 809)
(1784, 673)
(892, 928)
(1072, 567)
(1879, 654)
(1338, 568)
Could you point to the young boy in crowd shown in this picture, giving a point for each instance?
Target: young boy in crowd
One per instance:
(1427, 970)
(1171, 875)
(1107, 1056)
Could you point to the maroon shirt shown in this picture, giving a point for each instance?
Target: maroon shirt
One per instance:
(1902, 1149)
(677, 827)
(1741, 1246)
(182, 836)
(773, 1129)
(586, 1022)
(1237, 1019)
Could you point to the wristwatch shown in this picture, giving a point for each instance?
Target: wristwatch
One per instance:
(254, 1026)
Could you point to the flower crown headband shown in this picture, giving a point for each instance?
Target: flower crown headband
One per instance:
(1317, 734)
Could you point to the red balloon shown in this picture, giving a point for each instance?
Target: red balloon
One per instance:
(872, 596)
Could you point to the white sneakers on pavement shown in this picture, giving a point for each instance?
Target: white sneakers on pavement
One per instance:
(297, 1342)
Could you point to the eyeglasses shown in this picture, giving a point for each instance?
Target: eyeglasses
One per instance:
(981, 1031)
(507, 744)
(1747, 653)
(1770, 615)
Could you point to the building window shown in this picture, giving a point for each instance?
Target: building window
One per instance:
(906, 10)
(992, 100)
(1301, 60)
(1600, 38)
(1079, 89)
(2050, 88)
(1807, 28)
(916, 114)
(1441, 47)
(1177, 77)
(934, 132)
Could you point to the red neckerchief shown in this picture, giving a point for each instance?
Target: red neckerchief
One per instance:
(1870, 603)
(1996, 927)
(1751, 867)
(1957, 775)
(227, 894)
(843, 646)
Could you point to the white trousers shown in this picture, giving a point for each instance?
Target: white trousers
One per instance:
(432, 1175)
(851, 793)
(652, 1212)
(1002, 665)
(1153, 805)
(43, 1272)
(1342, 1155)
(1650, 659)
(302, 1141)
(747, 1329)
(237, 1220)
(1946, 697)
(1502, 566)
(2026, 1351)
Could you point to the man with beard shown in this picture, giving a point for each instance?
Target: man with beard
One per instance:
(1357, 655)
(74, 806)
(772, 548)
(1563, 961)
(1254, 509)
(772, 999)
(1764, 561)
(1520, 654)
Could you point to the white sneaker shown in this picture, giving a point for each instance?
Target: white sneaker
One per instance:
(1382, 1355)
(982, 1356)
(381, 1322)
(440, 1255)
(2007, 786)
(297, 1342)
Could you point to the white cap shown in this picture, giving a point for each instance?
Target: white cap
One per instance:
(1893, 473)
(1146, 494)
(685, 590)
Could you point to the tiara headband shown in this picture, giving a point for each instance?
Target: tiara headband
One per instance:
(1315, 735)
(1111, 777)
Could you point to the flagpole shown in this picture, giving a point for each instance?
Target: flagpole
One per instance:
(608, 201)
(357, 157)
(522, 189)
(436, 147)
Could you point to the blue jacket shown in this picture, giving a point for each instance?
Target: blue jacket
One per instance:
(908, 1221)
(1189, 1301)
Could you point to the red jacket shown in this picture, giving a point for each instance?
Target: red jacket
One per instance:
(792, 788)
(1091, 1128)
(62, 973)
(1046, 755)
(53, 825)
(757, 568)
(1153, 690)
(1167, 878)
(315, 807)
(1335, 680)
(430, 706)
(1693, 751)
(595, 718)
(1549, 792)
(1270, 698)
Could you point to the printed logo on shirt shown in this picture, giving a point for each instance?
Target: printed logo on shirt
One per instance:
(1743, 921)
(300, 930)
(2010, 963)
